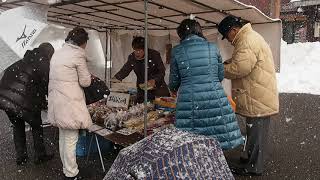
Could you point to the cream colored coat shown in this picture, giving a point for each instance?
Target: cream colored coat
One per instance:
(66, 101)
(254, 85)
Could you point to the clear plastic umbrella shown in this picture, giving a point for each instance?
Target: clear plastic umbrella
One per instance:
(19, 28)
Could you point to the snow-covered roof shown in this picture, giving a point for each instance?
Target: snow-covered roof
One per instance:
(129, 14)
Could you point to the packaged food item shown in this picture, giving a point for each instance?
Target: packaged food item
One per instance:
(132, 123)
(232, 103)
(167, 102)
(143, 87)
(132, 118)
(137, 124)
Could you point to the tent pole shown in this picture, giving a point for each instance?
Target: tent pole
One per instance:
(110, 58)
(145, 65)
(106, 59)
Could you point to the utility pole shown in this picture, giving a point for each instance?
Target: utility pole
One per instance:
(275, 7)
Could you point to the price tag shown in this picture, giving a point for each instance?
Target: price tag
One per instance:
(118, 100)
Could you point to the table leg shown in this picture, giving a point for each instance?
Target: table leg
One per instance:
(101, 159)
(89, 148)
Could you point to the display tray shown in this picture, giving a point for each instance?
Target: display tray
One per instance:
(126, 126)
(124, 140)
(124, 137)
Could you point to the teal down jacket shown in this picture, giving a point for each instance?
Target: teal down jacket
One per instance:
(196, 72)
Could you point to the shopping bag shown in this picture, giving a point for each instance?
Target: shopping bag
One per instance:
(232, 103)
(96, 91)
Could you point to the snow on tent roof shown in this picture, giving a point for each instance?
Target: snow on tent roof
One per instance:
(163, 16)
(129, 14)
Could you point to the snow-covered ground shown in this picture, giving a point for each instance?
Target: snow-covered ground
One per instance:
(300, 68)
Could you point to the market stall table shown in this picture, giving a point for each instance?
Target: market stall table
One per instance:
(124, 126)
(123, 137)
(116, 137)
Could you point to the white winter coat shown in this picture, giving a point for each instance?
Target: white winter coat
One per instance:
(66, 101)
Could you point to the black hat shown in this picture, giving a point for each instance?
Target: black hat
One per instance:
(138, 42)
(227, 23)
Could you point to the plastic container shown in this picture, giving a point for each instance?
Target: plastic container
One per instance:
(83, 143)
(232, 103)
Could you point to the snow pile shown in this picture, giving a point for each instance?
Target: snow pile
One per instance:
(300, 68)
(294, 1)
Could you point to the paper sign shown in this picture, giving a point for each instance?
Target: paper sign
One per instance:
(118, 100)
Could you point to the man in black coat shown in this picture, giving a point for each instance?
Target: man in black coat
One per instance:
(156, 71)
(23, 90)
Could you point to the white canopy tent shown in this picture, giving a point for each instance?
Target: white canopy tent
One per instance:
(120, 20)
(127, 17)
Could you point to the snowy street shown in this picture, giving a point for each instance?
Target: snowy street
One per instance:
(294, 137)
(293, 154)
(209, 89)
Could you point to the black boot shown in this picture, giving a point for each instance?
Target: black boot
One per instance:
(84, 173)
(43, 158)
(19, 137)
(244, 172)
(21, 160)
(40, 151)
(77, 177)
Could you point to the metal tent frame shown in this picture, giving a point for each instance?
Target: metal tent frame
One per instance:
(103, 15)
(147, 15)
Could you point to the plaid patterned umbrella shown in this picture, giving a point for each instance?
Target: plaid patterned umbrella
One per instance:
(171, 154)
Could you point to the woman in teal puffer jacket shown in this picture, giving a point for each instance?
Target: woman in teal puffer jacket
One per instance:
(196, 72)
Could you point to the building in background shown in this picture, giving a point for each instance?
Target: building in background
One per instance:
(301, 20)
(269, 7)
(263, 5)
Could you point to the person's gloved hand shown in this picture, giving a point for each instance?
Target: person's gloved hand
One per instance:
(152, 83)
(115, 80)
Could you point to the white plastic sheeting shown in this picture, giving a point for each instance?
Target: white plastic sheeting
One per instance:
(121, 48)
(95, 49)
(164, 17)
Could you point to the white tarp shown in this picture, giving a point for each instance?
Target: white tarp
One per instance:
(95, 47)
(127, 14)
(121, 47)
